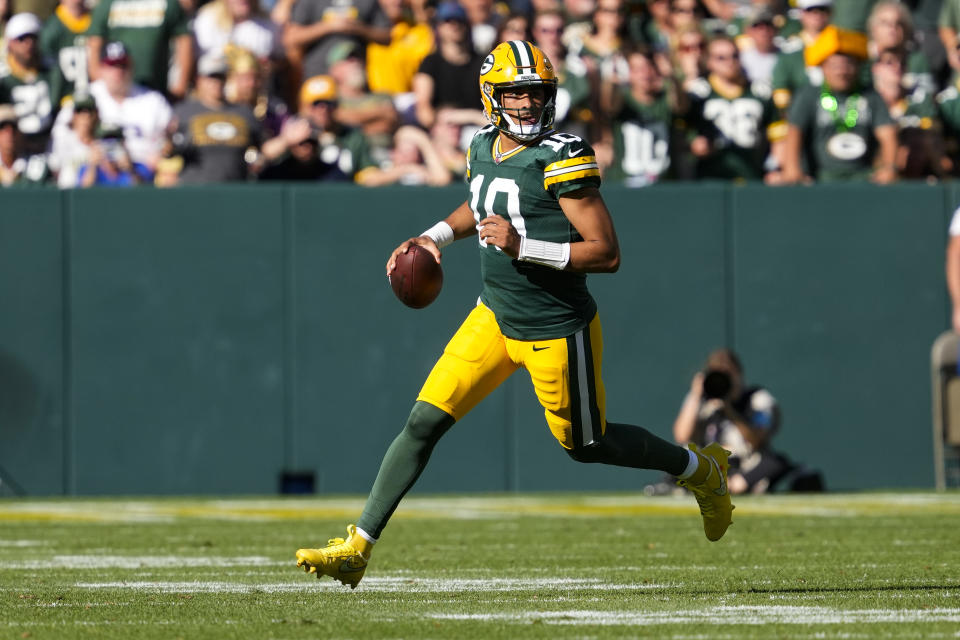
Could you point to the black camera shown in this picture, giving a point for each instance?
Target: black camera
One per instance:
(716, 384)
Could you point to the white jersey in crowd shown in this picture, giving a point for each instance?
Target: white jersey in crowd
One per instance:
(143, 115)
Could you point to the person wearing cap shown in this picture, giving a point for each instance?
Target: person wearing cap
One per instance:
(348, 149)
(758, 47)
(141, 113)
(27, 83)
(447, 76)
(146, 28)
(18, 167)
(317, 26)
(792, 73)
(64, 39)
(73, 148)
(839, 130)
(217, 140)
(731, 119)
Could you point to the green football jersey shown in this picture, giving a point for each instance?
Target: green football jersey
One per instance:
(948, 103)
(145, 27)
(736, 127)
(531, 301)
(64, 39)
(916, 74)
(916, 110)
(36, 100)
(26, 171)
(641, 141)
(834, 149)
(791, 73)
(349, 150)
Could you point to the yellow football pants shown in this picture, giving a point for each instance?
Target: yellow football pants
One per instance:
(565, 373)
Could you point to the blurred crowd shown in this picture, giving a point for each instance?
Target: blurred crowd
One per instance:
(377, 92)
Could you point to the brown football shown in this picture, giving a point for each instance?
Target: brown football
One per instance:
(417, 279)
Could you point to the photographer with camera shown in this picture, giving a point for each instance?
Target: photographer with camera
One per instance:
(720, 408)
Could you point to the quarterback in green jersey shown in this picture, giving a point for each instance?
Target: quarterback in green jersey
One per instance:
(535, 211)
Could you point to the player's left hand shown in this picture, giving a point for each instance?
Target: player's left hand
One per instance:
(499, 232)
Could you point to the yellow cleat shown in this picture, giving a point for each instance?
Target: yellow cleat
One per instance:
(343, 560)
(711, 493)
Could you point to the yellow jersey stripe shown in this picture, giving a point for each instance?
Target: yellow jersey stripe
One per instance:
(570, 162)
(579, 167)
(572, 175)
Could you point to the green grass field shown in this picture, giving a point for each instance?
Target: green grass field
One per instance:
(874, 565)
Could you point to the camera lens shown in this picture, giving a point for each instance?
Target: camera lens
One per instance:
(716, 384)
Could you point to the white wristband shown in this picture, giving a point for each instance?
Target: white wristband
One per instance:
(551, 254)
(441, 233)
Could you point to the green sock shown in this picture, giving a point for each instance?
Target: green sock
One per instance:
(625, 445)
(403, 463)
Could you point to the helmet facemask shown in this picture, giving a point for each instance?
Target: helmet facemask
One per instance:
(516, 122)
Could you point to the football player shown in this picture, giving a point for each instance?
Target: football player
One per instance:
(541, 224)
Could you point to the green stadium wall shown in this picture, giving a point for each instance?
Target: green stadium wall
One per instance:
(204, 341)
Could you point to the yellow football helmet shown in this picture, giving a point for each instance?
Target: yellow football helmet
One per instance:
(518, 63)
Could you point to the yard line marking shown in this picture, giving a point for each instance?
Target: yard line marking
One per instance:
(389, 584)
(67, 562)
(751, 615)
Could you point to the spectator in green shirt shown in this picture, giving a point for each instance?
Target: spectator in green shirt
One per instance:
(841, 130)
(920, 150)
(792, 73)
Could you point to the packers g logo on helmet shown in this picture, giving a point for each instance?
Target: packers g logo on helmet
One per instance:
(517, 63)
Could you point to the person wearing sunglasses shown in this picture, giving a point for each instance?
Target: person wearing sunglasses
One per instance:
(27, 83)
(732, 119)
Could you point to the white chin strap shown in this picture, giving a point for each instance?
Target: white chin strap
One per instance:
(522, 131)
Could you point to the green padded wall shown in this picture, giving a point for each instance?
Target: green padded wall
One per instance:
(206, 340)
(177, 363)
(34, 423)
(839, 294)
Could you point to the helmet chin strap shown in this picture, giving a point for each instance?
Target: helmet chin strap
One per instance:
(515, 129)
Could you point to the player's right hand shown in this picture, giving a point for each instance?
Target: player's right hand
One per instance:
(423, 241)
